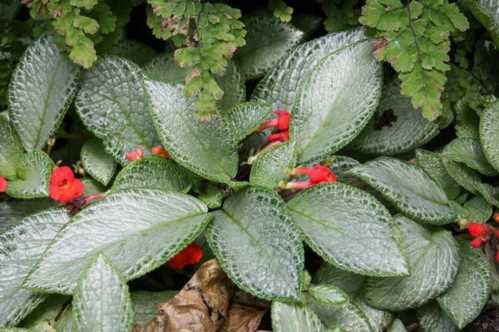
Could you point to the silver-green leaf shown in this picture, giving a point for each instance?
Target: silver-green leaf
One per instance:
(114, 105)
(349, 228)
(257, 246)
(408, 188)
(138, 230)
(433, 262)
(32, 176)
(294, 317)
(97, 162)
(433, 319)
(272, 165)
(40, 91)
(268, 40)
(20, 249)
(470, 292)
(102, 301)
(468, 151)
(489, 132)
(11, 149)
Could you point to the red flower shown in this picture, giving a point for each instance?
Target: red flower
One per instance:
(282, 136)
(478, 230)
(3, 184)
(64, 187)
(158, 150)
(476, 243)
(191, 255)
(135, 155)
(281, 122)
(316, 174)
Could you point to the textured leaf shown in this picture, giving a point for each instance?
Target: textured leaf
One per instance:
(476, 209)
(154, 172)
(407, 187)
(207, 148)
(101, 301)
(257, 246)
(43, 318)
(12, 212)
(336, 102)
(489, 132)
(133, 50)
(396, 127)
(66, 322)
(164, 69)
(432, 164)
(138, 230)
(97, 162)
(268, 40)
(32, 176)
(433, 262)
(24, 243)
(471, 289)
(40, 91)
(114, 105)
(11, 148)
(487, 12)
(352, 284)
(145, 304)
(232, 83)
(471, 181)
(327, 294)
(272, 166)
(347, 315)
(362, 242)
(433, 319)
(469, 152)
(281, 86)
(294, 317)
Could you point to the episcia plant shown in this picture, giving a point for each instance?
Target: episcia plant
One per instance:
(264, 172)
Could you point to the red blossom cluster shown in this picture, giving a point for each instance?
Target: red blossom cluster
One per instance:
(191, 255)
(3, 184)
(64, 186)
(481, 234)
(281, 123)
(139, 153)
(316, 174)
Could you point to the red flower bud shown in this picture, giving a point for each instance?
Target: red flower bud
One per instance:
(476, 243)
(3, 184)
(281, 122)
(191, 255)
(135, 155)
(478, 230)
(316, 174)
(64, 187)
(158, 150)
(279, 137)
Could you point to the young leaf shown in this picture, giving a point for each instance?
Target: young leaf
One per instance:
(267, 41)
(97, 162)
(32, 176)
(138, 230)
(432, 164)
(40, 92)
(362, 241)
(281, 86)
(294, 317)
(114, 105)
(396, 127)
(336, 102)
(433, 262)
(432, 318)
(407, 187)
(257, 246)
(469, 293)
(272, 166)
(468, 151)
(11, 148)
(489, 133)
(24, 243)
(101, 301)
(154, 172)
